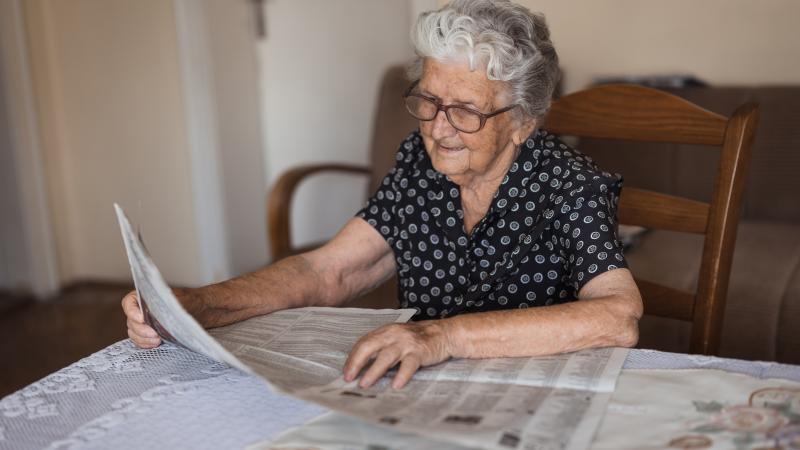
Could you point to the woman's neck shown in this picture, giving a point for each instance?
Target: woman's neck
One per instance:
(478, 192)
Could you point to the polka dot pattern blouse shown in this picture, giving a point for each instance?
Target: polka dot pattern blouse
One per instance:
(550, 229)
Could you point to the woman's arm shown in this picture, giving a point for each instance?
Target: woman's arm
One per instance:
(606, 316)
(356, 260)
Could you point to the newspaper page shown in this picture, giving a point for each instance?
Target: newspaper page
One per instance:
(553, 402)
(161, 309)
(505, 403)
(303, 347)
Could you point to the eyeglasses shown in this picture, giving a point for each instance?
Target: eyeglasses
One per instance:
(462, 118)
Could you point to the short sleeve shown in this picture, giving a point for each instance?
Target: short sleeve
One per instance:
(588, 234)
(381, 208)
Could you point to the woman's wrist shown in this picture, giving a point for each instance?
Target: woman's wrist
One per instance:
(453, 337)
(192, 302)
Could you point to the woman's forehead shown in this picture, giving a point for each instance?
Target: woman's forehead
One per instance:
(455, 81)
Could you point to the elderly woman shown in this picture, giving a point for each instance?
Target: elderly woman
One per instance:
(502, 237)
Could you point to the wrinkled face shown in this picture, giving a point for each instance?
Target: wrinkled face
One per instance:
(469, 157)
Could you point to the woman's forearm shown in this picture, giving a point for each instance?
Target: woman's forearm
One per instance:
(289, 283)
(355, 260)
(599, 322)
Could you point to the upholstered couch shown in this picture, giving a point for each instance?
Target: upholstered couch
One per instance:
(762, 315)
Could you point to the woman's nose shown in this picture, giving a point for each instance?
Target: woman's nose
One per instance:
(442, 127)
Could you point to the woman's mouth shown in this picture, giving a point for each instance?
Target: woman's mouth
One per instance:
(447, 149)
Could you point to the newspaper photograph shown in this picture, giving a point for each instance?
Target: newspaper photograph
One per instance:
(553, 402)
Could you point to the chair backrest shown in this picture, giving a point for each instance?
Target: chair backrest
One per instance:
(392, 124)
(636, 113)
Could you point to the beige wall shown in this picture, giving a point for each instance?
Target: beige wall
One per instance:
(232, 45)
(720, 41)
(321, 64)
(107, 80)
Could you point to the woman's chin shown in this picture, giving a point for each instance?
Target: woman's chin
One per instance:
(449, 168)
(450, 161)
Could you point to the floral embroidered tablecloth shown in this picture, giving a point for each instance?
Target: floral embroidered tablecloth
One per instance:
(170, 397)
(700, 408)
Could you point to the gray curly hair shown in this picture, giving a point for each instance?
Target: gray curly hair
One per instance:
(510, 41)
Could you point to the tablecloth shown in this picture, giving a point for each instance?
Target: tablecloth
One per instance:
(170, 397)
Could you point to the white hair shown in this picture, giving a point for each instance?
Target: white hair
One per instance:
(508, 40)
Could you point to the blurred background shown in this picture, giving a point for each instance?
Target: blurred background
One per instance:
(185, 112)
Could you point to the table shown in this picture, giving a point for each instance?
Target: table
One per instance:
(170, 397)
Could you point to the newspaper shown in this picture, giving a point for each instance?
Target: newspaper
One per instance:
(299, 348)
(553, 402)
(161, 309)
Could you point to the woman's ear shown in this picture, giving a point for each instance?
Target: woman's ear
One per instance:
(523, 131)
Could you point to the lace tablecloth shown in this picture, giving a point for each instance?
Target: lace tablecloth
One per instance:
(170, 397)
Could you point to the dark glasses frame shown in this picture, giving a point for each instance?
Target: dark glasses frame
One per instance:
(446, 108)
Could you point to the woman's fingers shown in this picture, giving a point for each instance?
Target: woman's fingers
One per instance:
(412, 345)
(385, 360)
(140, 333)
(141, 329)
(130, 306)
(359, 356)
(143, 342)
(408, 367)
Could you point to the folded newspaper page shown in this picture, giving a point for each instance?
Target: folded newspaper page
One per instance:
(162, 310)
(553, 402)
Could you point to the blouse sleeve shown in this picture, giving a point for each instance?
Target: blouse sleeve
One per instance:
(588, 235)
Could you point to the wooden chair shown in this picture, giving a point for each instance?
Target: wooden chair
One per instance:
(614, 112)
(636, 113)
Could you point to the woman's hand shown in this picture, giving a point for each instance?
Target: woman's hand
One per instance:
(144, 335)
(140, 333)
(412, 345)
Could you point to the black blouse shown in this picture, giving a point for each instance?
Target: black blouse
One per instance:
(551, 228)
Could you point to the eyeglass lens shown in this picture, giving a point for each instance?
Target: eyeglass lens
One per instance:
(460, 118)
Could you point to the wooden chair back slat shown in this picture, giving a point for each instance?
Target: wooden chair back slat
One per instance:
(391, 125)
(656, 210)
(664, 301)
(635, 113)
